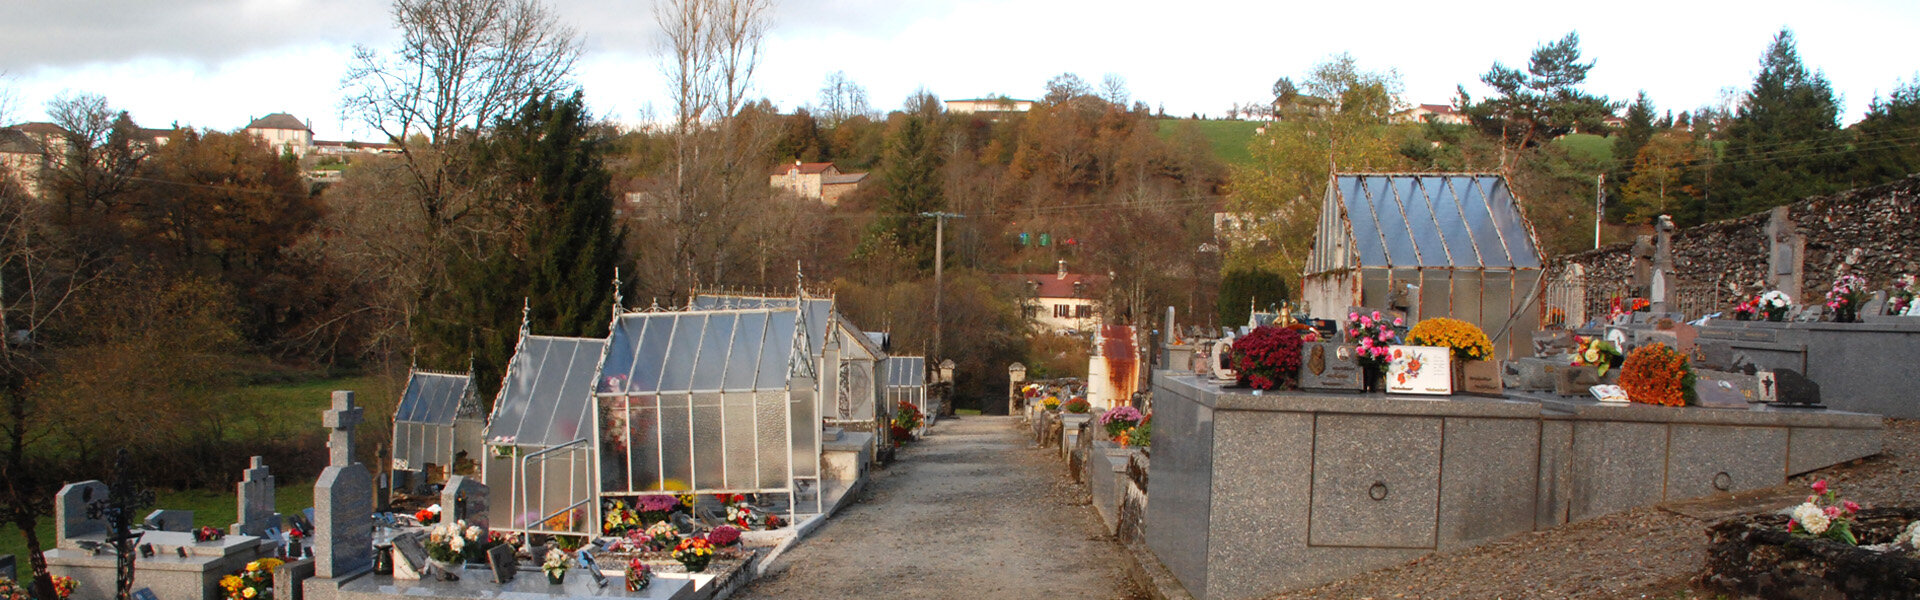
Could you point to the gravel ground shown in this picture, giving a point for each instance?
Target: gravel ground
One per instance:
(970, 512)
(1649, 552)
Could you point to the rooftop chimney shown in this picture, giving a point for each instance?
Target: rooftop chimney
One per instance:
(1062, 273)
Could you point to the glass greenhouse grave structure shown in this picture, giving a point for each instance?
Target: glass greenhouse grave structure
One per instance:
(1439, 245)
(435, 424)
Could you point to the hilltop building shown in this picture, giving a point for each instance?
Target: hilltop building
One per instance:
(1060, 301)
(989, 106)
(283, 132)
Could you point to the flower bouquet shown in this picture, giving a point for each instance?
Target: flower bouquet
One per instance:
(724, 535)
(1078, 405)
(620, 519)
(1656, 374)
(1050, 403)
(1120, 420)
(1824, 515)
(694, 553)
(63, 587)
(1372, 334)
(1846, 296)
(1901, 298)
(663, 535)
(1746, 311)
(655, 507)
(1775, 304)
(254, 582)
(555, 566)
(1595, 352)
(1138, 436)
(638, 576)
(1268, 358)
(208, 533)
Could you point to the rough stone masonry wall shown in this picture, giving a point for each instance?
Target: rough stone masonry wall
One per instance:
(1730, 257)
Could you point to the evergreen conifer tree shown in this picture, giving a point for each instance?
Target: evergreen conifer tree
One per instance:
(1784, 142)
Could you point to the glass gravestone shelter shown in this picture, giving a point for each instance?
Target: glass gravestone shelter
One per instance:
(1439, 245)
(435, 424)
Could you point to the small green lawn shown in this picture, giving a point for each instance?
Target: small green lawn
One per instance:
(1592, 147)
(209, 508)
(1228, 138)
(284, 408)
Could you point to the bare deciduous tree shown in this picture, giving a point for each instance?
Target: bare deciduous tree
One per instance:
(1113, 89)
(460, 64)
(841, 99)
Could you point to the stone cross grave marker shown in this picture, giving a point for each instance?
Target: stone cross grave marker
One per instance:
(255, 505)
(342, 499)
(70, 506)
(464, 499)
(1665, 281)
(1784, 253)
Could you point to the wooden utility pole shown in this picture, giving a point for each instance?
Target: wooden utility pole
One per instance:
(939, 268)
(1599, 206)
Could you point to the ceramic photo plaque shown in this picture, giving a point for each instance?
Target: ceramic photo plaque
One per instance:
(1424, 370)
(1609, 393)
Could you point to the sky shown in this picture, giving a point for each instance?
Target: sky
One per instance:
(214, 64)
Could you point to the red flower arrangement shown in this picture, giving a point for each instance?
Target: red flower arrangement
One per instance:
(1656, 374)
(1268, 358)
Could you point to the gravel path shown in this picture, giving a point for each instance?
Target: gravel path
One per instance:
(970, 512)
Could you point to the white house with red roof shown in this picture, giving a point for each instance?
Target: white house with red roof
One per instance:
(1061, 301)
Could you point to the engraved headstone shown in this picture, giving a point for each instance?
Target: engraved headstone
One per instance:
(1713, 354)
(411, 561)
(465, 499)
(1875, 306)
(1747, 386)
(169, 520)
(8, 569)
(70, 507)
(1534, 374)
(1330, 366)
(1807, 313)
(342, 499)
(1574, 380)
(255, 502)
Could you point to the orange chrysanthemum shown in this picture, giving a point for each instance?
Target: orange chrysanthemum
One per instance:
(1656, 374)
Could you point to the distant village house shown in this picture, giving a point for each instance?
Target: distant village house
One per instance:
(283, 132)
(818, 181)
(1061, 302)
(989, 106)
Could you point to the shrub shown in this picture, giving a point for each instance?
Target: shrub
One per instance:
(1078, 406)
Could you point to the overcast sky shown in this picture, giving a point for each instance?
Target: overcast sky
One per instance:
(215, 63)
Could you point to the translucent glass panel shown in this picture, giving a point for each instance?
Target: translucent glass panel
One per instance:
(1436, 293)
(651, 356)
(676, 441)
(770, 438)
(778, 349)
(1519, 242)
(709, 445)
(1366, 232)
(1392, 221)
(802, 417)
(1520, 336)
(1447, 216)
(643, 428)
(1466, 297)
(544, 399)
(716, 342)
(498, 474)
(404, 450)
(738, 423)
(682, 352)
(1420, 221)
(1373, 288)
(1471, 193)
(1496, 297)
(615, 443)
(743, 366)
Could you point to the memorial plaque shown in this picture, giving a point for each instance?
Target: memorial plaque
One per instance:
(1717, 393)
(1747, 386)
(1608, 393)
(1330, 366)
(1793, 390)
(1552, 342)
(144, 594)
(1483, 378)
(1422, 370)
(1913, 309)
(1573, 380)
(501, 559)
(1534, 374)
(1712, 354)
(412, 554)
(1875, 306)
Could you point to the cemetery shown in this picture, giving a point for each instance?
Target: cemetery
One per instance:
(1433, 412)
(669, 459)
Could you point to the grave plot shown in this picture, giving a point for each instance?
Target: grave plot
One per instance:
(907, 385)
(850, 363)
(436, 430)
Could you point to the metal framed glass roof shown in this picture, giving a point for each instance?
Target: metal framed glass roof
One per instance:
(543, 400)
(906, 371)
(432, 398)
(819, 311)
(705, 350)
(1460, 221)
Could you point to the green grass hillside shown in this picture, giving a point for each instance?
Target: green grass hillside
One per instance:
(1228, 138)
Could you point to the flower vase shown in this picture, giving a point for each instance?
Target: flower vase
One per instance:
(556, 577)
(1776, 316)
(1372, 377)
(1846, 313)
(1740, 316)
(637, 582)
(696, 566)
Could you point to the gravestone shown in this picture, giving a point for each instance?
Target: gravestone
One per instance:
(1553, 341)
(411, 557)
(7, 568)
(1793, 390)
(1786, 252)
(1664, 282)
(169, 520)
(464, 499)
(1640, 282)
(1713, 354)
(1574, 380)
(1716, 393)
(1482, 378)
(342, 499)
(1875, 306)
(503, 562)
(1534, 374)
(1807, 313)
(70, 507)
(1330, 366)
(255, 500)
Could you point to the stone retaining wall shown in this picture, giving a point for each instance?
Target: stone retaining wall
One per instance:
(1877, 227)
